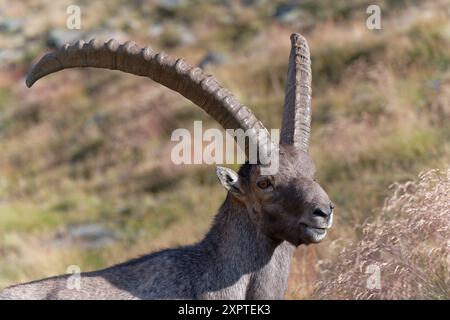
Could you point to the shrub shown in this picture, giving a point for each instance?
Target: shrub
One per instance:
(408, 245)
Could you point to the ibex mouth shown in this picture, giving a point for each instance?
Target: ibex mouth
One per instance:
(316, 229)
(312, 234)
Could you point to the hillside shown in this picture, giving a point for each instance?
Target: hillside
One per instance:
(85, 172)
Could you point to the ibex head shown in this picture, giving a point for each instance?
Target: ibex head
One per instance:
(289, 205)
(286, 205)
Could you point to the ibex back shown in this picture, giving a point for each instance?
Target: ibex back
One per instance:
(248, 251)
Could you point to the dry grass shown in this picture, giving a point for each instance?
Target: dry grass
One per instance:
(409, 244)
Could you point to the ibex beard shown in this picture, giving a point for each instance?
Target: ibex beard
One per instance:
(248, 250)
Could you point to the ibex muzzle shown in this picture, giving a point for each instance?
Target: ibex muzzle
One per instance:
(247, 252)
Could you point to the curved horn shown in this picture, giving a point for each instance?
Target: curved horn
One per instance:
(192, 83)
(296, 124)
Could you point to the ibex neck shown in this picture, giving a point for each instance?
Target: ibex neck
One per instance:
(261, 264)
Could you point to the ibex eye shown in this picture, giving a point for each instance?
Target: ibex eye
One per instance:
(264, 184)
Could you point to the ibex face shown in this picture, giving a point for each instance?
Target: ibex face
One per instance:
(289, 205)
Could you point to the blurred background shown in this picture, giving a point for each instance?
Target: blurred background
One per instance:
(85, 172)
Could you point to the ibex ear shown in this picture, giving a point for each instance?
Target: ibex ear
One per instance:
(230, 180)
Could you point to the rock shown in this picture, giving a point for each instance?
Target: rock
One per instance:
(250, 3)
(172, 34)
(9, 56)
(186, 36)
(88, 235)
(212, 58)
(171, 4)
(11, 25)
(156, 30)
(287, 12)
(291, 13)
(58, 37)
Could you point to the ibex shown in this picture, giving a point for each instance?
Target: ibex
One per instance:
(248, 250)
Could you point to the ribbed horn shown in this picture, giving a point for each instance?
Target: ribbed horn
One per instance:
(200, 88)
(296, 124)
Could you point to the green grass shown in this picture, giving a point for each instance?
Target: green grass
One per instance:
(5, 96)
(27, 217)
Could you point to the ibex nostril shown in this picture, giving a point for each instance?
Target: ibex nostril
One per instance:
(319, 212)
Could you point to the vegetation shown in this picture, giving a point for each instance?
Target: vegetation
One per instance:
(406, 248)
(92, 147)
